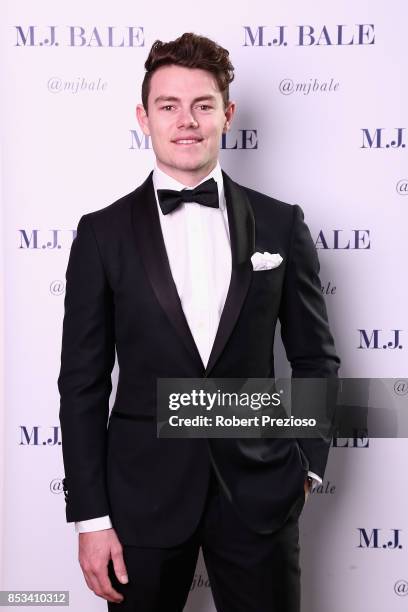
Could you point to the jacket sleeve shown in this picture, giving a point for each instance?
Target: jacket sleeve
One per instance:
(84, 382)
(305, 328)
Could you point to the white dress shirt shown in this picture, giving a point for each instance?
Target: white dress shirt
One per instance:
(198, 249)
(199, 252)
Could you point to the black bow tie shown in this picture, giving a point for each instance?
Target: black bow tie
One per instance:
(206, 194)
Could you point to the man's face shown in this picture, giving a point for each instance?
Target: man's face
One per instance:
(186, 119)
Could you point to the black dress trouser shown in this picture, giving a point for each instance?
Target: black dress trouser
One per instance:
(248, 572)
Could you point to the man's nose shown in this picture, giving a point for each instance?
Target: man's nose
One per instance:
(187, 119)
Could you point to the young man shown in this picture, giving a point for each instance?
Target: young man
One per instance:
(165, 275)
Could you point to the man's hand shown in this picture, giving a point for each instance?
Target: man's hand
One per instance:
(307, 486)
(96, 548)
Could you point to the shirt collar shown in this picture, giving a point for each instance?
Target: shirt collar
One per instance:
(161, 180)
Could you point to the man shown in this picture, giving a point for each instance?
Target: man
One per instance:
(165, 276)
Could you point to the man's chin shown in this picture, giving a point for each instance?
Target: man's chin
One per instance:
(190, 165)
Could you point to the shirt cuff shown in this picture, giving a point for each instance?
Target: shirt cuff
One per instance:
(95, 524)
(316, 478)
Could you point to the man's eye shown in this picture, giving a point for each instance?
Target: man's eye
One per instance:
(205, 106)
(168, 106)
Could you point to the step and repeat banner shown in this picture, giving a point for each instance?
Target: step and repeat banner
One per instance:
(322, 122)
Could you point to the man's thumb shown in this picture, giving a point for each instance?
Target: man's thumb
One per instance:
(120, 568)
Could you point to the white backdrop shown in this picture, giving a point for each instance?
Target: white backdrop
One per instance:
(71, 144)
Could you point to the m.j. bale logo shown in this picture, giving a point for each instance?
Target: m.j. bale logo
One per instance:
(79, 36)
(306, 35)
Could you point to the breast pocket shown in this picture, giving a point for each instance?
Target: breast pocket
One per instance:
(267, 284)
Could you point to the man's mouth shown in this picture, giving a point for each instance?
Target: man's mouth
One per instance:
(187, 141)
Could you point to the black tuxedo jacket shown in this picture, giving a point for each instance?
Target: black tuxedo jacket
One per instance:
(120, 293)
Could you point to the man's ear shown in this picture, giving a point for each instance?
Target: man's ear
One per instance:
(143, 119)
(229, 114)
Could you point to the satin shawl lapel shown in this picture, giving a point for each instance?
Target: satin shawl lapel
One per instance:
(242, 236)
(152, 249)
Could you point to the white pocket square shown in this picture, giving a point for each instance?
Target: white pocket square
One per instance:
(265, 260)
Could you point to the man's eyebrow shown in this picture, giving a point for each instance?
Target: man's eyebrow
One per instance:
(206, 97)
(175, 99)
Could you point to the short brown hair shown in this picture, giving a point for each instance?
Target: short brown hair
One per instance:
(191, 51)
